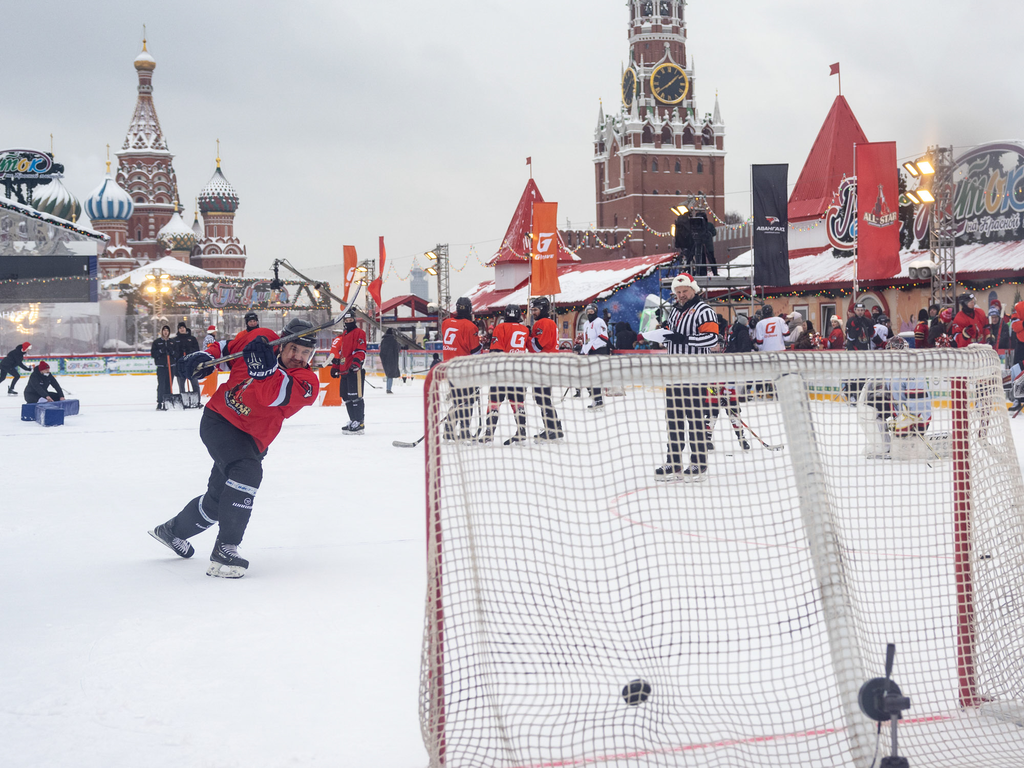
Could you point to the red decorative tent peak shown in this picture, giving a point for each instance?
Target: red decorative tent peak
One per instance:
(515, 246)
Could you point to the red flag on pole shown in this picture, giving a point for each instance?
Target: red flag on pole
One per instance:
(544, 259)
(878, 225)
(834, 69)
(374, 287)
(529, 160)
(350, 264)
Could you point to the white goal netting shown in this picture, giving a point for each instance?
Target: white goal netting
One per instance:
(850, 500)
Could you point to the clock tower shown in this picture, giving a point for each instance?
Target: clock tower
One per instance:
(656, 151)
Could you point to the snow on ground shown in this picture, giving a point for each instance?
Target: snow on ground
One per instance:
(114, 652)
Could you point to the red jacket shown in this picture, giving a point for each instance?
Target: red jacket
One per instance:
(836, 339)
(259, 406)
(921, 335)
(970, 329)
(349, 348)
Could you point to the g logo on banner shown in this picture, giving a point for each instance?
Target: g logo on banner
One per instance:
(544, 243)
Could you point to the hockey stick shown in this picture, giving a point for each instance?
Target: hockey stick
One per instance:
(758, 438)
(290, 337)
(401, 444)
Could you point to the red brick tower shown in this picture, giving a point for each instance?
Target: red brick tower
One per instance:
(145, 170)
(657, 150)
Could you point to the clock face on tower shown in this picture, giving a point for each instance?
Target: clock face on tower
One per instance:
(629, 82)
(669, 83)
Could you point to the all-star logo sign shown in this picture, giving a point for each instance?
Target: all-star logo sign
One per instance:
(841, 217)
(880, 215)
(773, 226)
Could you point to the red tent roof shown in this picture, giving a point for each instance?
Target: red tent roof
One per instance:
(415, 303)
(515, 246)
(830, 159)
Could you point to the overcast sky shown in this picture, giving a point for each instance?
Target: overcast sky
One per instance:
(341, 121)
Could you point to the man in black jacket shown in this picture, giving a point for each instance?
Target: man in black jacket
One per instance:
(162, 353)
(39, 383)
(9, 365)
(739, 336)
(389, 353)
(185, 344)
(859, 329)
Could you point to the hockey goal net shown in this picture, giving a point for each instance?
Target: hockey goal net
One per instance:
(582, 610)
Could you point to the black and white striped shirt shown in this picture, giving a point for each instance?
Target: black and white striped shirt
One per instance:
(697, 321)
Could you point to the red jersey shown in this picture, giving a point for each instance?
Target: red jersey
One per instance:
(836, 339)
(350, 348)
(460, 338)
(510, 337)
(544, 337)
(258, 407)
(970, 328)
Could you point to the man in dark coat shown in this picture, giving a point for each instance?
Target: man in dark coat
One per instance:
(859, 329)
(163, 355)
(185, 344)
(389, 349)
(739, 336)
(9, 365)
(625, 336)
(39, 385)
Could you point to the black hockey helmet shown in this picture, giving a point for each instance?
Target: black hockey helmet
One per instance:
(251, 316)
(295, 325)
(767, 311)
(349, 319)
(463, 308)
(964, 299)
(513, 313)
(542, 303)
(590, 308)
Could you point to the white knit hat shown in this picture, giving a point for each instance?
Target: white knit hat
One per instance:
(685, 280)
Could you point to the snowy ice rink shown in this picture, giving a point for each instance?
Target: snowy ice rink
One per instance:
(115, 653)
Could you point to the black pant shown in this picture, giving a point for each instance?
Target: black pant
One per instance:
(352, 394)
(460, 414)
(163, 383)
(236, 476)
(193, 384)
(687, 411)
(13, 372)
(542, 396)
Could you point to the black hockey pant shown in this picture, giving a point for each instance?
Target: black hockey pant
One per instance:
(163, 383)
(352, 394)
(542, 396)
(460, 413)
(235, 478)
(516, 398)
(687, 412)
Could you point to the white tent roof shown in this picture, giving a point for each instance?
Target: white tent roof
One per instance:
(167, 265)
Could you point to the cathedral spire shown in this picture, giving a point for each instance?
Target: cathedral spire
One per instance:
(144, 132)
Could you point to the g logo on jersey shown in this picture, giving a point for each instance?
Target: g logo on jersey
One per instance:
(449, 336)
(518, 340)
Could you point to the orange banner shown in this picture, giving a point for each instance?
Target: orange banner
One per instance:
(544, 265)
(351, 262)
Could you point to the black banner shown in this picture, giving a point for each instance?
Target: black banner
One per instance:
(771, 224)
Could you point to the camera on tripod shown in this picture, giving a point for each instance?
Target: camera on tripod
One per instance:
(881, 699)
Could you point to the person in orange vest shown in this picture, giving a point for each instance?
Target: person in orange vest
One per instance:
(348, 353)
(461, 337)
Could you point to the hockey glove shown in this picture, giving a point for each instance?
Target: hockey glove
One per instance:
(188, 366)
(354, 368)
(677, 338)
(260, 358)
(335, 368)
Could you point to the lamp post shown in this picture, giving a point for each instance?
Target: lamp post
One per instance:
(440, 268)
(157, 287)
(935, 187)
(367, 273)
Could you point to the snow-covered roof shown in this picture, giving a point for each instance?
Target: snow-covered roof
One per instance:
(580, 283)
(167, 265)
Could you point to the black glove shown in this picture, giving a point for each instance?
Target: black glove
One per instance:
(187, 367)
(335, 368)
(677, 338)
(260, 358)
(353, 367)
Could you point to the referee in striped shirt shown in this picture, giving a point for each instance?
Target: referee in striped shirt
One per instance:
(692, 329)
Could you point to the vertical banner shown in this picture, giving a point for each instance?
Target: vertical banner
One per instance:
(350, 264)
(878, 226)
(544, 262)
(374, 287)
(771, 224)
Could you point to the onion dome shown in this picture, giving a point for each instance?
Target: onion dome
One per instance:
(144, 60)
(176, 235)
(109, 201)
(55, 199)
(218, 196)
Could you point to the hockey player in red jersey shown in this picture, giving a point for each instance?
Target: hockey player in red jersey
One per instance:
(238, 425)
(544, 338)
(348, 353)
(511, 337)
(461, 337)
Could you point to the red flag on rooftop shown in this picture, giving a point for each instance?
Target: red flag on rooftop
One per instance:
(878, 226)
(834, 69)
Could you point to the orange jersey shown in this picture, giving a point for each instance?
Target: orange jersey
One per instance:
(544, 337)
(510, 337)
(460, 338)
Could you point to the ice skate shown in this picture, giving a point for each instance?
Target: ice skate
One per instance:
(518, 437)
(225, 562)
(12, 392)
(668, 473)
(548, 436)
(180, 547)
(353, 428)
(694, 473)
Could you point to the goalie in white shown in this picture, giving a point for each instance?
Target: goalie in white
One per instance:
(897, 407)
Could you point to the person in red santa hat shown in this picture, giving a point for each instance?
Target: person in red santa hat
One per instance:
(42, 385)
(9, 365)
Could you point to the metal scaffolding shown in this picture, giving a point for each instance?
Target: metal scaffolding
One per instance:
(942, 245)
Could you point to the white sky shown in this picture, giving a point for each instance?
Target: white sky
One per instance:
(341, 121)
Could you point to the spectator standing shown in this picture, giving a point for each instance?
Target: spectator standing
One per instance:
(970, 325)
(939, 332)
(625, 336)
(185, 344)
(921, 330)
(739, 336)
(836, 339)
(770, 333)
(42, 385)
(211, 336)
(162, 352)
(14, 360)
(389, 351)
(808, 339)
(859, 329)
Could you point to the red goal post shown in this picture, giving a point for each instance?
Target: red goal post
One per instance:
(754, 601)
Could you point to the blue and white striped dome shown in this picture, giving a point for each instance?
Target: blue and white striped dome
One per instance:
(109, 201)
